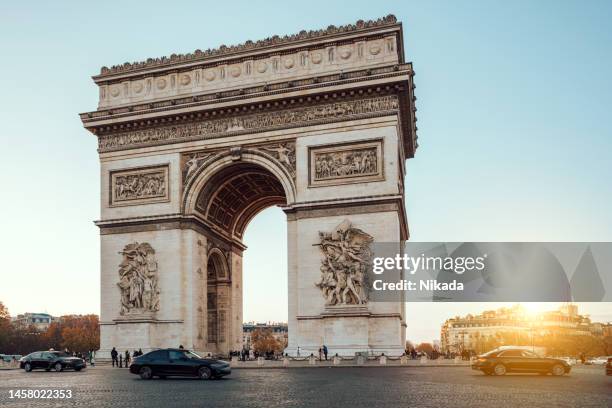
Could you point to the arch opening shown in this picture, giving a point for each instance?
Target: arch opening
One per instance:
(235, 194)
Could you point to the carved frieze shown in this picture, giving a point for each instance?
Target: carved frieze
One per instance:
(207, 129)
(138, 280)
(346, 163)
(139, 186)
(346, 259)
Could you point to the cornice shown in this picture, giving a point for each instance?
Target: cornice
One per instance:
(248, 46)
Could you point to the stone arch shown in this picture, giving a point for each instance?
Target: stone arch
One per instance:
(219, 263)
(228, 190)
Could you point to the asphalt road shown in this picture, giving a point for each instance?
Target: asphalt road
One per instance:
(355, 387)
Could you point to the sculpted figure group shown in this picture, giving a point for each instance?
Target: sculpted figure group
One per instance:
(134, 186)
(342, 164)
(138, 279)
(346, 257)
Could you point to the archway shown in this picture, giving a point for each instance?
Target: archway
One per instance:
(230, 194)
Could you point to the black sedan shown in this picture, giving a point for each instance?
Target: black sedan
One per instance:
(51, 360)
(178, 362)
(500, 362)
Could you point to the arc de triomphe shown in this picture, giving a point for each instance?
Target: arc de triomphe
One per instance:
(193, 146)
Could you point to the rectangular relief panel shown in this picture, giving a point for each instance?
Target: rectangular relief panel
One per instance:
(344, 163)
(143, 185)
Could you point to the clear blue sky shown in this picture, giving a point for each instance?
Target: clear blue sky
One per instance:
(514, 104)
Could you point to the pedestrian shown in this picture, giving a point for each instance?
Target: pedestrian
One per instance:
(139, 352)
(114, 355)
(120, 361)
(325, 351)
(181, 347)
(320, 353)
(127, 358)
(93, 358)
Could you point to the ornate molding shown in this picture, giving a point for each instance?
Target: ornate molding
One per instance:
(346, 163)
(276, 40)
(346, 257)
(138, 280)
(139, 186)
(208, 129)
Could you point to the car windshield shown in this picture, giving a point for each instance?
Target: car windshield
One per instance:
(60, 353)
(192, 355)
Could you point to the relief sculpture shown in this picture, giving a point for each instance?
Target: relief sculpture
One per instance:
(346, 258)
(285, 154)
(138, 279)
(136, 186)
(347, 163)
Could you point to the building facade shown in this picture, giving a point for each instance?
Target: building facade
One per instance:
(483, 332)
(39, 320)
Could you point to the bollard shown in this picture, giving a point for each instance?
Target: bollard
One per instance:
(260, 361)
(312, 360)
(336, 360)
(382, 360)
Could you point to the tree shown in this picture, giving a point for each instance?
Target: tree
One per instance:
(264, 341)
(6, 328)
(425, 348)
(80, 333)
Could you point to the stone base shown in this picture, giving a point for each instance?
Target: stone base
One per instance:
(347, 330)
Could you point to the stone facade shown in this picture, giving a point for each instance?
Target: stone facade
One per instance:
(193, 147)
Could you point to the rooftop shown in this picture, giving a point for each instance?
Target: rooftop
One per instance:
(199, 55)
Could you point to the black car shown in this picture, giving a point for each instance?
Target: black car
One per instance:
(500, 362)
(178, 362)
(609, 366)
(51, 360)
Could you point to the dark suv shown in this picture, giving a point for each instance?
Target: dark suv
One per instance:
(500, 362)
(178, 362)
(51, 360)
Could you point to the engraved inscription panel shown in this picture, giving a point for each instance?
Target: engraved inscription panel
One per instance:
(346, 163)
(139, 186)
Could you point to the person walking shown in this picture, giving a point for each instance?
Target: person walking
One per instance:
(114, 356)
(320, 353)
(127, 358)
(93, 358)
(325, 351)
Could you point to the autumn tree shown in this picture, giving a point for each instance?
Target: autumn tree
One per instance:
(425, 348)
(80, 333)
(5, 327)
(263, 341)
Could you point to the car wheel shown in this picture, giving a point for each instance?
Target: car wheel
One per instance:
(27, 367)
(47, 369)
(146, 373)
(557, 370)
(499, 369)
(162, 377)
(77, 369)
(57, 367)
(204, 373)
